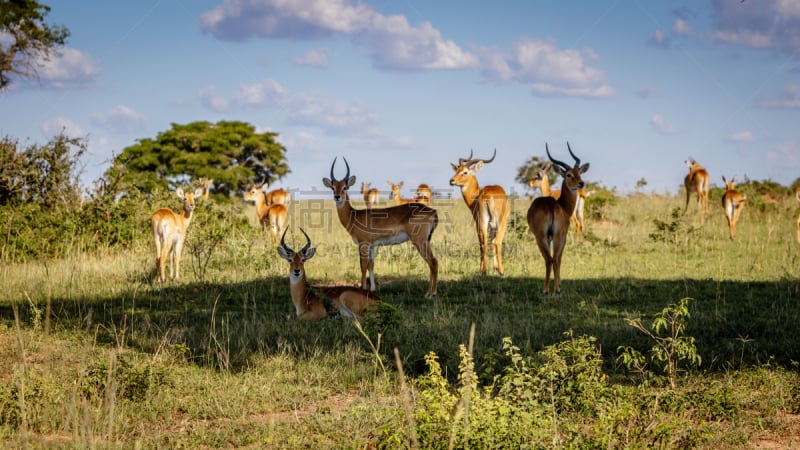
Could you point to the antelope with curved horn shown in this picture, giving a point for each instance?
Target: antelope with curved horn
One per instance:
(549, 218)
(543, 183)
(351, 302)
(169, 233)
(697, 180)
(371, 228)
(489, 206)
(371, 195)
(274, 217)
(733, 202)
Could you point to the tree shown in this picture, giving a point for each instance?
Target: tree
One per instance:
(233, 154)
(25, 39)
(530, 169)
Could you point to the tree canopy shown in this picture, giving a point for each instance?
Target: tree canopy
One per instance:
(26, 39)
(530, 168)
(231, 153)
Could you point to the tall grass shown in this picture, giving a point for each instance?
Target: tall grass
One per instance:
(218, 359)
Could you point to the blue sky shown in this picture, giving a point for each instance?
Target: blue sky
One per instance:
(404, 88)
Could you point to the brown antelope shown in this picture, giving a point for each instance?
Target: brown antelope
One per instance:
(733, 202)
(578, 219)
(351, 302)
(371, 195)
(206, 187)
(424, 194)
(543, 183)
(489, 206)
(169, 233)
(278, 196)
(797, 196)
(549, 218)
(371, 228)
(696, 180)
(274, 217)
(396, 194)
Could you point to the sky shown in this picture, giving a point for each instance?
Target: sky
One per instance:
(404, 88)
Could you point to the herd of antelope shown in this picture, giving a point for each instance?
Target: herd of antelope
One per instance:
(549, 217)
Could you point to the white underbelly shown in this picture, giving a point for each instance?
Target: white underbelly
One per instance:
(398, 238)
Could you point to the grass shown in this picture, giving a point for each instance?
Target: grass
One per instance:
(218, 360)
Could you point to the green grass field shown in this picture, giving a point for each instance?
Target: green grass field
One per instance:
(218, 360)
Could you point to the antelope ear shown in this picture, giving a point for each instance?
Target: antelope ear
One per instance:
(179, 192)
(559, 170)
(327, 183)
(478, 166)
(309, 254)
(198, 193)
(351, 181)
(284, 254)
(584, 168)
(455, 167)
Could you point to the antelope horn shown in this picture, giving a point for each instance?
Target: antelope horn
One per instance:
(577, 160)
(308, 242)
(333, 178)
(555, 161)
(347, 175)
(468, 160)
(283, 241)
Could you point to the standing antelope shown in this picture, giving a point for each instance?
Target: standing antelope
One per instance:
(424, 194)
(733, 202)
(371, 228)
(169, 233)
(797, 196)
(489, 206)
(206, 187)
(697, 180)
(273, 216)
(351, 302)
(371, 195)
(396, 194)
(549, 218)
(543, 183)
(278, 196)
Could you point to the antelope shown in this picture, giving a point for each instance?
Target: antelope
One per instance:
(169, 233)
(396, 194)
(278, 196)
(549, 218)
(543, 183)
(696, 180)
(371, 195)
(206, 187)
(273, 216)
(733, 202)
(424, 194)
(797, 196)
(578, 219)
(351, 302)
(371, 228)
(489, 206)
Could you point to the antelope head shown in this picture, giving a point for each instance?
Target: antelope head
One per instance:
(571, 175)
(296, 259)
(466, 168)
(339, 187)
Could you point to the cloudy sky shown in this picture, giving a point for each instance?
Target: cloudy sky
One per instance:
(404, 88)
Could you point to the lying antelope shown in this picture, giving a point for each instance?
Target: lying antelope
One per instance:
(371, 195)
(169, 233)
(274, 217)
(733, 202)
(396, 194)
(371, 228)
(351, 302)
(489, 206)
(697, 180)
(549, 218)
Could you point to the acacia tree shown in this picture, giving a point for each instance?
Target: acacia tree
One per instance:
(528, 170)
(232, 153)
(26, 39)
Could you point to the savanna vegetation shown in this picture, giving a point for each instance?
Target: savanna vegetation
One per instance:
(666, 334)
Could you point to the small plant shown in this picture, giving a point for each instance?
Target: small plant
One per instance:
(671, 232)
(670, 348)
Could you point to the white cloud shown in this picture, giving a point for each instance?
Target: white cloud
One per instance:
(758, 24)
(681, 26)
(661, 125)
(58, 125)
(789, 98)
(741, 136)
(68, 68)
(268, 93)
(212, 100)
(548, 70)
(659, 39)
(120, 119)
(313, 58)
